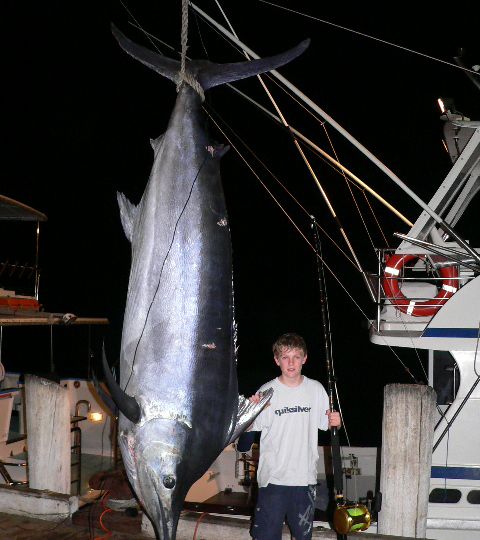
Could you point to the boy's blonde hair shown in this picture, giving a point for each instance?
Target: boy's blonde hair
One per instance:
(289, 341)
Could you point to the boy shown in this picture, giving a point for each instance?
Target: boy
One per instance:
(287, 470)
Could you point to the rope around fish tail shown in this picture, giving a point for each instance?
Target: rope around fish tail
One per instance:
(184, 75)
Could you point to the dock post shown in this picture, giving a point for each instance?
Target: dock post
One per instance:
(407, 438)
(48, 435)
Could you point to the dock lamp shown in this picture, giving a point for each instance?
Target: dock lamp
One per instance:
(95, 417)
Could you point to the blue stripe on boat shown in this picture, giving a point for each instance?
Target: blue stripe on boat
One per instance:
(463, 473)
(451, 332)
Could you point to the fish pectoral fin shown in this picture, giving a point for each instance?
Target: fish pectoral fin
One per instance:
(247, 412)
(104, 396)
(126, 404)
(128, 213)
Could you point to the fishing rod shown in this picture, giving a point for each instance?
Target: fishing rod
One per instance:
(346, 518)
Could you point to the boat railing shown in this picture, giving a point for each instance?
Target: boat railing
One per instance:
(414, 286)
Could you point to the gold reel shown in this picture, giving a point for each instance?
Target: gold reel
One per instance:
(351, 518)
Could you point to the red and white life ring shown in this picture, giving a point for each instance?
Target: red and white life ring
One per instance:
(425, 308)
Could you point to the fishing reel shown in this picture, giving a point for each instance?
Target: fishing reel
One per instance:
(351, 518)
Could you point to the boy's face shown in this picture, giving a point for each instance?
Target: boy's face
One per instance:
(290, 361)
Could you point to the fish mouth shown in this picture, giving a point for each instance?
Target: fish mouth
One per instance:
(160, 474)
(157, 505)
(160, 500)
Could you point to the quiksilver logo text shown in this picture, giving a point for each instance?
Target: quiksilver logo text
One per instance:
(297, 408)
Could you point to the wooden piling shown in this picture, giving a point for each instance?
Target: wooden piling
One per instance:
(408, 422)
(48, 435)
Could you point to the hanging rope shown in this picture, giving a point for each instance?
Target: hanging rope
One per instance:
(184, 75)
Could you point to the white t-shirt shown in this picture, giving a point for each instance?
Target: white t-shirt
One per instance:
(289, 426)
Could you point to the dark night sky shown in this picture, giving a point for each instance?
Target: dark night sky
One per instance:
(77, 115)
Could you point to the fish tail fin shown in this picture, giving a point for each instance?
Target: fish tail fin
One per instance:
(208, 74)
(163, 65)
(216, 74)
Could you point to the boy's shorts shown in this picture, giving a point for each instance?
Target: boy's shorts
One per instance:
(274, 503)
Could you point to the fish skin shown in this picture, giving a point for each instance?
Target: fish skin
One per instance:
(178, 350)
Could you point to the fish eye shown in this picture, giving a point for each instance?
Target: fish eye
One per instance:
(169, 482)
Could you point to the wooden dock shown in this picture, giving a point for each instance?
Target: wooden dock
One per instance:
(22, 528)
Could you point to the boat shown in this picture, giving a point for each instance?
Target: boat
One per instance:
(428, 297)
(29, 344)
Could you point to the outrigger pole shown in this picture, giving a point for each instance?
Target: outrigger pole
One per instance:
(347, 135)
(327, 156)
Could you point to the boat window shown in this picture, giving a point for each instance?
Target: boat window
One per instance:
(473, 496)
(443, 495)
(446, 377)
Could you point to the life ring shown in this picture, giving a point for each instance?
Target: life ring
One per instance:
(425, 308)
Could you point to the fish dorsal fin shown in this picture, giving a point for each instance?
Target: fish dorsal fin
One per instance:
(246, 414)
(155, 143)
(128, 213)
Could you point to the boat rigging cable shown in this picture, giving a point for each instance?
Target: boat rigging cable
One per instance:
(286, 125)
(334, 164)
(329, 159)
(445, 226)
(323, 155)
(307, 163)
(312, 172)
(294, 133)
(331, 162)
(385, 42)
(332, 273)
(281, 119)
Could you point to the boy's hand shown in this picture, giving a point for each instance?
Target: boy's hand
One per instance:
(333, 419)
(257, 397)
